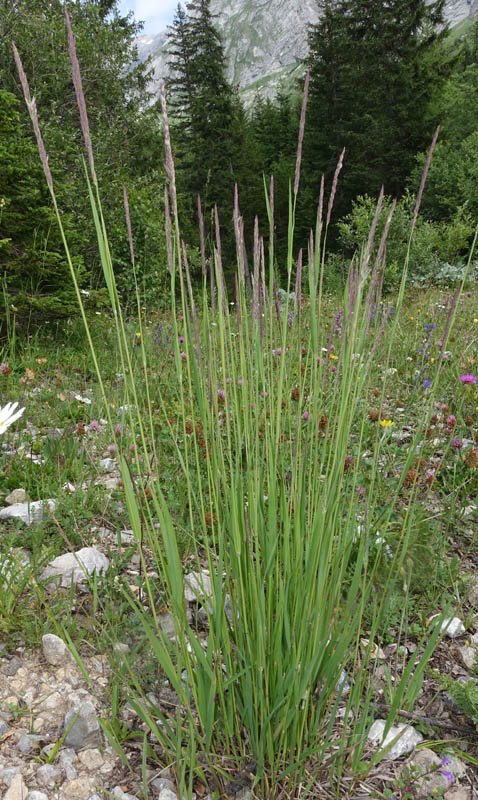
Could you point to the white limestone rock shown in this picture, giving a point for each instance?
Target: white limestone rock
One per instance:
(28, 513)
(55, 650)
(409, 738)
(74, 567)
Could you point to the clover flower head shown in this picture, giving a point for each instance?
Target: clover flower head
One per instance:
(8, 415)
(469, 378)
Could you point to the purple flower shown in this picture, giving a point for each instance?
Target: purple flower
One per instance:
(426, 383)
(94, 425)
(5, 369)
(305, 416)
(448, 775)
(277, 351)
(111, 449)
(456, 443)
(445, 761)
(468, 377)
(118, 429)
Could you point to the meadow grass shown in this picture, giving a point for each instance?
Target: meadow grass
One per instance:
(259, 449)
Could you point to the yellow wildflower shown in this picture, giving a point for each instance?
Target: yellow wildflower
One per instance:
(386, 423)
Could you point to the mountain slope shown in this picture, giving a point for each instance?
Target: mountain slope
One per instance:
(265, 39)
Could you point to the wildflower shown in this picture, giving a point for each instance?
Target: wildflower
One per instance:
(448, 775)
(445, 761)
(305, 416)
(180, 339)
(118, 429)
(94, 425)
(295, 393)
(373, 415)
(5, 369)
(456, 443)
(469, 378)
(451, 421)
(137, 338)
(111, 449)
(348, 463)
(277, 351)
(333, 357)
(183, 356)
(427, 383)
(386, 423)
(221, 395)
(9, 415)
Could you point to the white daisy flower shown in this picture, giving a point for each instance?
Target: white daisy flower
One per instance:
(8, 415)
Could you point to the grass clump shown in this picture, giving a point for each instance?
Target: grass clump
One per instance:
(292, 524)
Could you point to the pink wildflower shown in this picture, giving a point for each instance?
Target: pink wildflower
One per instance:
(469, 378)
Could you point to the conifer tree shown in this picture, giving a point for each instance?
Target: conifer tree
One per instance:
(374, 68)
(210, 123)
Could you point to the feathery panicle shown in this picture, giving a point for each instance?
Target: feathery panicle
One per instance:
(32, 110)
(128, 224)
(424, 177)
(80, 95)
(239, 235)
(339, 166)
(169, 161)
(202, 238)
(301, 132)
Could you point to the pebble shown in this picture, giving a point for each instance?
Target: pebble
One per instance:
(468, 656)
(3, 727)
(7, 774)
(452, 627)
(167, 794)
(47, 775)
(55, 650)
(85, 729)
(17, 789)
(197, 586)
(162, 784)
(107, 464)
(17, 496)
(27, 743)
(11, 667)
(74, 567)
(118, 794)
(405, 744)
(35, 795)
(29, 513)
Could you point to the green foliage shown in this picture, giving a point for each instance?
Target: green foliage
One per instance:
(209, 121)
(453, 177)
(374, 68)
(435, 245)
(33, 267)
(126, 139)
(465, 695)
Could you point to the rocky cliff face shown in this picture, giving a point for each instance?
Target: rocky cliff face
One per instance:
(265, 39)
